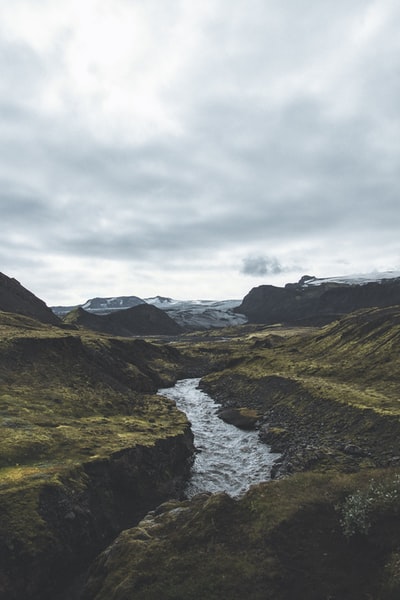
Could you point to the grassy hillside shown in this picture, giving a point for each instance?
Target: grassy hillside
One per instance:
(360, 350)
(86, 445)
(62, 391)
(328, 398)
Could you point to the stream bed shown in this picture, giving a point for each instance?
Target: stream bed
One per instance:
(227, 459)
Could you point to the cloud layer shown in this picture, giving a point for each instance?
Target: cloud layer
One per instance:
(196, 149)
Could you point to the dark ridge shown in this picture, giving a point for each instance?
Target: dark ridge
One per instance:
(15, 298)
(317, 304)
(143, 319)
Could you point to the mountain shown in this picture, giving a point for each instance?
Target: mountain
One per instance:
(189, 314)
(142, 319)
(15, 298)
(319, 301)
(200, 314)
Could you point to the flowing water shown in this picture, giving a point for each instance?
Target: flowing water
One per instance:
(227, 459)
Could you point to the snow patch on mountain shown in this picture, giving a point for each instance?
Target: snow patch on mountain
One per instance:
(200, 314)
(357, 279)
(107, 305)
(102, 306)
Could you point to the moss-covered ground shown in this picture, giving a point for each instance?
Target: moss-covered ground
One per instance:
(355, 361)
(68, 397)
(72, 403)
(284, 540)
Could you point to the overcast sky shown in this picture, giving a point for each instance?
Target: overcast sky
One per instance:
(197, 148)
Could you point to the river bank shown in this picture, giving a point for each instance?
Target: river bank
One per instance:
(327, 400)
(311, 432)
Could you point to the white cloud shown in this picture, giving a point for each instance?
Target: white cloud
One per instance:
(261, 265)
(143, 144)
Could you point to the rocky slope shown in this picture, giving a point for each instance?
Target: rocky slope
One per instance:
(15, 298)
(142, 319)
(313, 301)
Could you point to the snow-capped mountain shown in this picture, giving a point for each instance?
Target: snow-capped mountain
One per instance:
(101, 306)
(200, 314)
(106, 305)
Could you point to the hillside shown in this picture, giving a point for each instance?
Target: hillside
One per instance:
(15, 298)
(326, 397)
(142, 319)
(283, 540)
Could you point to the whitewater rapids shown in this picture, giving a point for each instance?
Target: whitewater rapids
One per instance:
(227, 459)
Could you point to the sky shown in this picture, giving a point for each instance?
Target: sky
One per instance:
(197, 148)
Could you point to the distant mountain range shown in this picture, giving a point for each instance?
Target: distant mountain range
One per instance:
(311, 300)
(188, 314)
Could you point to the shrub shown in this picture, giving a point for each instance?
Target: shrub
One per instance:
(362, 508)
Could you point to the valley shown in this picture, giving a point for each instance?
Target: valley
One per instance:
(94, 461)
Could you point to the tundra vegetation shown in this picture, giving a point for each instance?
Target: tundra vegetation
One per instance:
(86, 446)
(84, 432)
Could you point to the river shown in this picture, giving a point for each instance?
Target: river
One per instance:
(227, 458)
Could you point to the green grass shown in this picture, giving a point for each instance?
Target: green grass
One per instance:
(69, 396)
(355, 361)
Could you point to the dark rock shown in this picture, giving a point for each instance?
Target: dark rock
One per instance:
(240, 417)
(353, 449)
